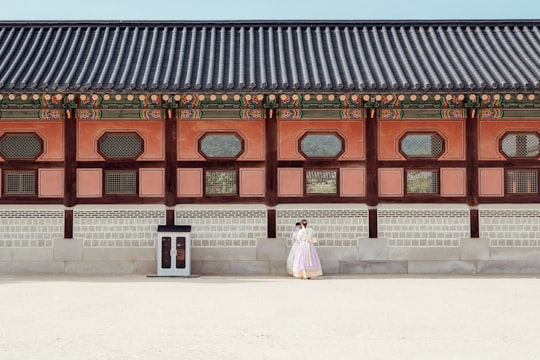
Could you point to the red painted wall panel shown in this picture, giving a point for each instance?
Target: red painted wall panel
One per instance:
(452, 131)
(490, 131)
(52, 133)
(290, 132)
(88, 132)
(251, 131)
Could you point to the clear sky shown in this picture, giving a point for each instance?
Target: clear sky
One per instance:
(267, 9)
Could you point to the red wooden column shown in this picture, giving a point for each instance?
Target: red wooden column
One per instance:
(472, 170)
(372, 175)
(170, 163)
(70, 169)
(271, 136)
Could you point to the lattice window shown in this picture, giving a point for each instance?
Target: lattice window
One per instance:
(522, 181)
(121, 182)
(20, 146)
(427, 146)
(520, 145)
(422, 182)
(120, 146)
(221, 145)
(321, 145)
(21, 182)
(321, 182)
(221, 182)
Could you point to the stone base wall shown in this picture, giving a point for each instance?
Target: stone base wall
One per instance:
(223, 226)
(510, 226)
(371, 256)
(423, 225)
(335, 225)
(122, 240)
(106, 239)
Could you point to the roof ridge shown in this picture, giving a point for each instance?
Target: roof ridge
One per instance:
(209, 23)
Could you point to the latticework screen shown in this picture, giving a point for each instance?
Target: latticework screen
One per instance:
(321, 182)
(321, 145)
(20, 146)
(19, 182)
(221, 182)
(521, 145)
(422, 145)
(121, 182)
(422, 182)
(120, 146)
(221, 145)
(521, 181)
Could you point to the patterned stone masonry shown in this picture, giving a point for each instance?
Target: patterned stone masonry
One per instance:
(122, 228)
(223, 227)
(30, 228)
(423, 227)
(333, 227)
(510, 227)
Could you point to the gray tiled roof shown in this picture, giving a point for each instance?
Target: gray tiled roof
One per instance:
(270, 56)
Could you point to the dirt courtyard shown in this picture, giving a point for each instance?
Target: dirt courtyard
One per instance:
(138, 317)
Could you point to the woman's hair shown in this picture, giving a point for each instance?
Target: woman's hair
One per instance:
(304, 222)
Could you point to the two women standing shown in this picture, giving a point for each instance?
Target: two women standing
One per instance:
(305, 260)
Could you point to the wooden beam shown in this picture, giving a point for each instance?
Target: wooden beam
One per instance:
(271, 223)
(68, 224)
(372, 166)
(373, 233)
(472, 171)
(474, 219)
(271, 168)
(70, 170)
(70, 163)
(271, 135)
(472, 157)
(169, 217)
(170, 157)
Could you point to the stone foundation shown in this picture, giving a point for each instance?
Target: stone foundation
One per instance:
(371, 256)
(122, 240)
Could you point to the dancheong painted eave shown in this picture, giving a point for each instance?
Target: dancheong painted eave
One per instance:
(276, 56)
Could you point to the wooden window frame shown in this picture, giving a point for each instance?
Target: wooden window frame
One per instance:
(104, 183)
(310, 133)
(236, 194)
(414, 158)
(429, 194)
(500, 140)
(123, 133)
(336, 194)
(220, 133)
(520, 194)
(42, 148)
(5, 172)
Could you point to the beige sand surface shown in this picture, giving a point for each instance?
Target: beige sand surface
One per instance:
(135, 317)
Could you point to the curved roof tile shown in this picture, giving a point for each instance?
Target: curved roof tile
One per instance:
(280, 55)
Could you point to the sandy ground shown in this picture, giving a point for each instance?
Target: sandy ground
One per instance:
(136, 317)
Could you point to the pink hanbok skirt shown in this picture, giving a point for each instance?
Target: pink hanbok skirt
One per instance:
(306, 262)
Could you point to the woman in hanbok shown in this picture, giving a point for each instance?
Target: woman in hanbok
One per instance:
(306, 261)
(292, 252)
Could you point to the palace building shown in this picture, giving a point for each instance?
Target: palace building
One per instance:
(410, 146)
